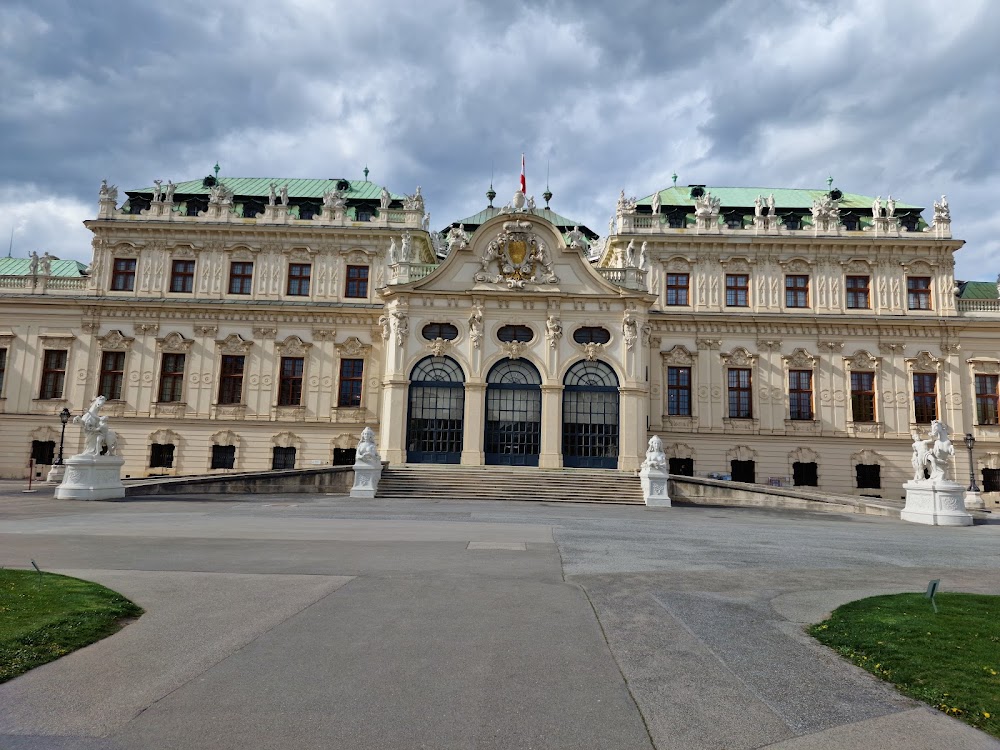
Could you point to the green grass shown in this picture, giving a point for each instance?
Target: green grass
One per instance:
(950, 659)
(43, 617)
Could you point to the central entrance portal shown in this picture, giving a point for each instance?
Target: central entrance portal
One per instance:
(590, 416)
(513, 414)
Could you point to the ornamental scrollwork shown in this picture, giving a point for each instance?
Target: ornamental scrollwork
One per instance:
(519, 256)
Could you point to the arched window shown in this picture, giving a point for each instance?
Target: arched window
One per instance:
(513, 414)
(434, 424)
(590, 416)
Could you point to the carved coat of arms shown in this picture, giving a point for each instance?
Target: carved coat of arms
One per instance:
(518, 256)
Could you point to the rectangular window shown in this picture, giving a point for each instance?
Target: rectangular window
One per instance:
(800, 394)
(924, 398)
(290, 381)
(737, 290)
(805, 474)
(53, 373)
(677, 288)
(182, 276)
(796, 291)
(858, 292)
(112, 375)
(683, 467)
(869, 476)
(3, 368)
(223, 456)
(123, 275)
(740, 401)
(43, 451)
(357, 282)
(282, 458)
(679, 391)
(991, 480)
(918, 292)
(298, 279)
(161, 456)
(743, 471)
(231, 382)
(986, 399)
(240, 278)
(350, 382)
(863, 396)
(171, 378)
(344, 456)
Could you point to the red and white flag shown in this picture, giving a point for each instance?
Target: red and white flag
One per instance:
(524, 188)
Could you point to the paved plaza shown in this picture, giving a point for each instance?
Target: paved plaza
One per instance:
(316, 621)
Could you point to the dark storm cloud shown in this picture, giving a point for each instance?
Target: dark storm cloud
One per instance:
(888, 97)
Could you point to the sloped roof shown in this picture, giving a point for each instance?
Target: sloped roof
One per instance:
(297, 188)
(22, 267)
(784, 198)
(978, 290)
(476, 220)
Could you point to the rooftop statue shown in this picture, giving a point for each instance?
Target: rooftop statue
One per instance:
(771, 210)
(272, 194)
(576, 239)
(942, 213)
(171, 189)
(458, 238)
(877, 207)
(220, 195)
(108, 193)
(707, 206)
(334, 199)
(157, 191)
(758, 206)
(384, 199)
(426, 225)
(45, 264)
(826, 213)
(890, 207)
(656, 202)
(414, 202)
(626, 205)
(283, 195)
(33, 264)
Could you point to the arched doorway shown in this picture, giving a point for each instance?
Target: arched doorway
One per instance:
(590, 416)
(513, 414)
(434, 421)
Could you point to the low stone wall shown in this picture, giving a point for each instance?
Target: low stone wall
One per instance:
(333, 479)
(699, 491)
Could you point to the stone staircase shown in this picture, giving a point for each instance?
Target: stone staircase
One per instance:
(451, 482)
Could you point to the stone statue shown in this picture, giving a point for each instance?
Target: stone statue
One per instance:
(630, 330)
(220, 195)
(643, 255)
(333, 199)
(826, 214)
(384, 199)
(771, 210)
(625, 205)
(171, 189)
(458, 238)
(105, 192)
(655, 457)
(629, 260)
(272, 194)
(414, 202)
(890, 207)
(383, 322)
(157, 191)
(45, 264)
(877, 208)
(553, 331)
(476, 325)
(758, 206)
(367, 452)
(33, 263)
(393, 254)
(656, 203)
(576, 239)
(942, 214)
(935, 453)
(706, 206)
(426, 225)
(283, 195)
(402, 322)
(531, 203)
(96, 433)
(405, 248)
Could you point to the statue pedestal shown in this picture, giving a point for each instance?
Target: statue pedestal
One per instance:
(654, 487)
(974, 501)
(366, 480)
(935, 503)
(55, 475)
(90, 477)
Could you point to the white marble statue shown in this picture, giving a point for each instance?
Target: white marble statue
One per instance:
(426, 225)
(706, 206)
(272, 194)
(771, 210)
(553, 331)
(96, 433)
(629, 257)
(405, 248)
(45, 264)
(168, 196)
(935, 453)
(758, 206)
(334, 199)
(643, 255)
(367, 466)
(630, 330)
(220, 195)
(656, 203)
(476, 326)
(653, 475)
(655, 457)
(576, 239)
(414, 202)
(393, 253)
(367, 452)
(157, 191)
(283, 195)
(458, 238)
(890, 207)
(33, 263)
(877, 207)
(942, 213)
(531, 203)
(384, 199)
(384, 324)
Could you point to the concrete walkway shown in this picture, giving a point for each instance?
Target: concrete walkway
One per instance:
(321, 622)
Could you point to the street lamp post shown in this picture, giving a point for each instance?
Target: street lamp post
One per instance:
(972, 498)
(58, 469)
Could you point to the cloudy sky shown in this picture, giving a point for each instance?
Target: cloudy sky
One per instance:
(888, 96)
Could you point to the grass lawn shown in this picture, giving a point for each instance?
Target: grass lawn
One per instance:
(43, 617)
(950, 659)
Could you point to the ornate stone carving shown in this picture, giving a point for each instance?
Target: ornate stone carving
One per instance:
(832, 346)
(225, 437)
(206, 330)
(265, 332)
(458, 238)
(293, 346)
(655, 457)
(353, 347)
(593, 350)
(739, 357)
(800, 359)
(174, 343)
(513, 349)
(706, 211)
(576, 240)
(741, 453)
(923, 362)
(984, 366)
(401, 324)
(438, 347)
(935, 453)
(97, 436)
(826, 214)
(234, 344)
(520, 256)
(768, 345)
(553, 331)
(476, 325)
(115, 341)
(630, 330)
(164, 437)
(679, 355)
(862, 360)
(795, 265)
(890, 347)
(708, 343)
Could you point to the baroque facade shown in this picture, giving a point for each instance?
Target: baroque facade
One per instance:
(775, 336)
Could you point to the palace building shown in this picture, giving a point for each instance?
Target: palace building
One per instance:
(794, 337)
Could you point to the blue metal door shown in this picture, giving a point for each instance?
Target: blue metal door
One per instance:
(513, 414)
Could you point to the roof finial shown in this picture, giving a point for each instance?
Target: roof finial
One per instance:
(674, 178)
(216, 169)
(10, 247)
(365, 170)
(491, 193)
(829, 182)
(547, 195)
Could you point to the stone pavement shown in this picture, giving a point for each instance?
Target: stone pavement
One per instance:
(314, 621)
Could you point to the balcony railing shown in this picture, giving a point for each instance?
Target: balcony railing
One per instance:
(630, 278)
(43, 284)
(978, 305)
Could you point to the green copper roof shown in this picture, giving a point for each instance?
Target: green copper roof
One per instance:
(22, 267)
(784, 198)
(297, 188)
(978, 290)
(476, 220)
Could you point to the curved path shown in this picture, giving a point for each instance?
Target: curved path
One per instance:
(313, 621)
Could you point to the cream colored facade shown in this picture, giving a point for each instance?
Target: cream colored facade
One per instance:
(515, 269)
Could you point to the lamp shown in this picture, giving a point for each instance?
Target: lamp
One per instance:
(970, 443)
(64, 416)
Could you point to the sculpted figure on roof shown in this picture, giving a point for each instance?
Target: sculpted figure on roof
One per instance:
(706, 205)
(45, 264)
(458, 238)
(333, 199)
(758, 206)
(576, 239)
(220, 195)
(626, 205)
(770, 205)
(108, 193)
(890, 207)
(169, 195)
(942, 213)
(384, 199)
(157, 191)
(283, 195)
(414, 202)
(656, 202)
(877, 207)
(272, 194)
